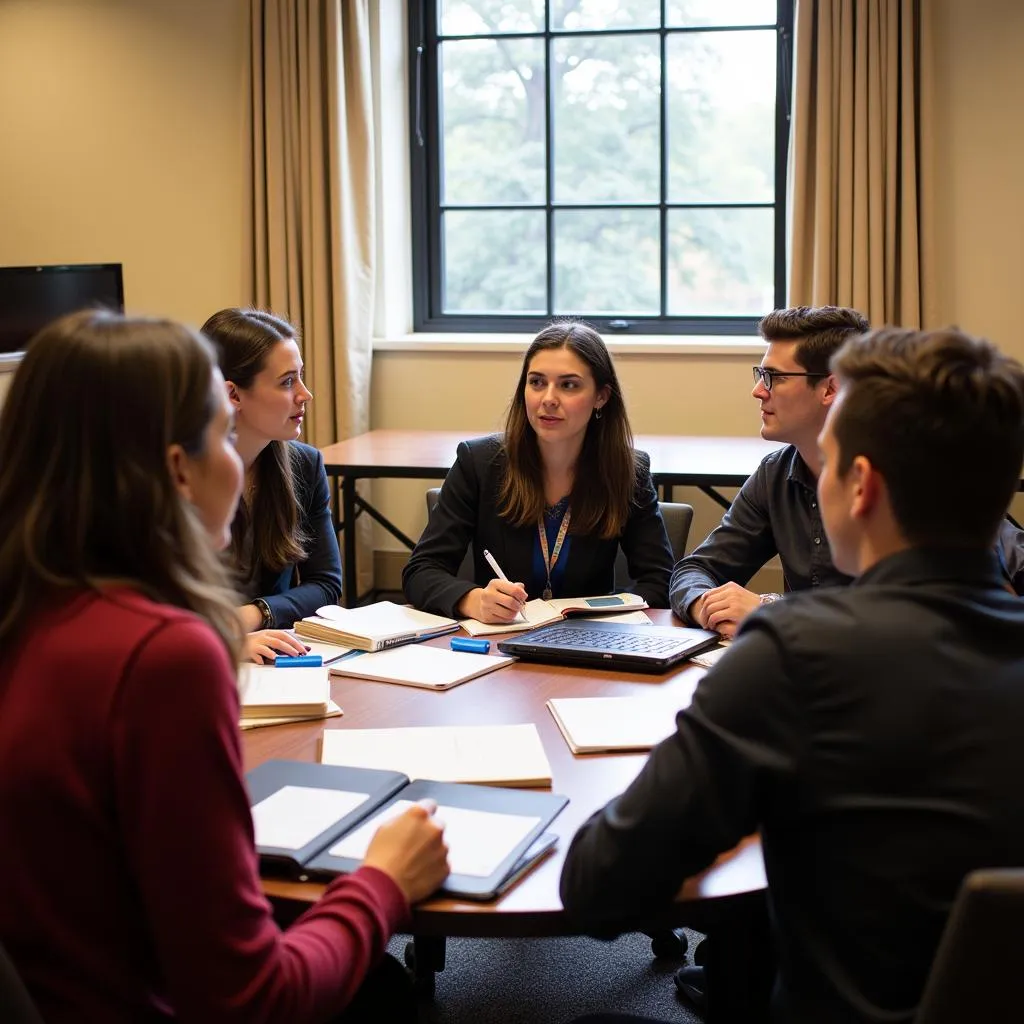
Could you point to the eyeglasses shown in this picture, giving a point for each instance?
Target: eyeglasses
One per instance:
(769, 377)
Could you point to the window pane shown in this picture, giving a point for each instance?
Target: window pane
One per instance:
(493, 121)
(607, 261)
(721, 117)
(606, 111)
(605, 14)
(718, 12)
(488, 17)
(721, 262)
(494, 261)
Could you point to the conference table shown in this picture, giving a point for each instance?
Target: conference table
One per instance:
(706, 463)
(517, 694)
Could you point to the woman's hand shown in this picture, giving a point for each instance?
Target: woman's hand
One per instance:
(265, 645)
(411, 850)
(499, 602)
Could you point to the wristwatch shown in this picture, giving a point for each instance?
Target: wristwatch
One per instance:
(770, 598)
(267, 620)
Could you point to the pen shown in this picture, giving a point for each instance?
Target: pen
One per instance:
(492, 562)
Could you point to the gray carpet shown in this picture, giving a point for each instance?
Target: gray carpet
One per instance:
(551, 981)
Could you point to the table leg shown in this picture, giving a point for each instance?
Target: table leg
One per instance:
(424, 956)
(349, 575)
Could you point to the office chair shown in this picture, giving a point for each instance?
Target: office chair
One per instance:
(16, 1006)
(678, 518)
(466, 566)
(976, 973)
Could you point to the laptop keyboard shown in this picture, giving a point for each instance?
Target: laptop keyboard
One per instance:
(625, 643)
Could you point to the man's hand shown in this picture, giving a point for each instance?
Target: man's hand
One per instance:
(411, 849)
(498, 602)
(724, 608)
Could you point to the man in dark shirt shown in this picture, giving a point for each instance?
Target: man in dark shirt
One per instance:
(776, 511)
(868, 732)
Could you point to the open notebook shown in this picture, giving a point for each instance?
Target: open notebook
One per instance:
(540, 613)
(433, 668)
(492, 755)
(373, 627)
(316, 821)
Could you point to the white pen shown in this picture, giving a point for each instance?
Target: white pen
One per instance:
(493, 563)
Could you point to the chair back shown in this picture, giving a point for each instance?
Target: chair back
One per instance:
(466, 566)
(979, 964)
(678, 518)
(16, 1006)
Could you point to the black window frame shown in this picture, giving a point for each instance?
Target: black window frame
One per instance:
(427, 256)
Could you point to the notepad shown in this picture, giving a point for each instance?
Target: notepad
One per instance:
(599, 725)
(373, 627)
(492, 755)
(434, 668)
(268, 692)
(317, 821)
(538, 613)
(332, 711)
(709, 658)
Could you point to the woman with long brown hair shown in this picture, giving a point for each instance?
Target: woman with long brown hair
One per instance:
(129, 887)
(551, 499)
(284, 550)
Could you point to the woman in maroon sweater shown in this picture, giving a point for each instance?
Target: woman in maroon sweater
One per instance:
(129, 888)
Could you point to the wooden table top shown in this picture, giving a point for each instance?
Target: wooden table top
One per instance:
(511, 695)
(394, 453)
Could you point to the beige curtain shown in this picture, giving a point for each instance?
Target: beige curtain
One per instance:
(313, 245)
(855, 145)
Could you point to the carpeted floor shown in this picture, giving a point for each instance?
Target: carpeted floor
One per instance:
(551, 981)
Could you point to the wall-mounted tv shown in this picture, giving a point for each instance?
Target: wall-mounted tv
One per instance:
(31, 297)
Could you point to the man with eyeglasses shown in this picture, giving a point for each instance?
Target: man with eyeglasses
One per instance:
(776, 511)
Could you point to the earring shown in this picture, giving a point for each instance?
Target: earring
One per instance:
(597, 413)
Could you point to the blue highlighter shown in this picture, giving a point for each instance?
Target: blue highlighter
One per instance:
(299, 661)
(465, 643)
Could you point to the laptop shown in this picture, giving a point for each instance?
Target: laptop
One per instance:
(614, 645)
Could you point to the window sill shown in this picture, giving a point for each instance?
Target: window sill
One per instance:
(638, 345)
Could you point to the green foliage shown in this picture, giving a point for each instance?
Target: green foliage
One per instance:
(606, 149)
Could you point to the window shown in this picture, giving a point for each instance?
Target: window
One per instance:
(621, 160)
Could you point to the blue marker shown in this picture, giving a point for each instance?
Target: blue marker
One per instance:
(464, 643)
(299, 661)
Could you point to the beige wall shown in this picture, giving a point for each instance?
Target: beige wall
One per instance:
(123, 141)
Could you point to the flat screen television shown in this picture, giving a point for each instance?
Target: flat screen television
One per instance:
(31, 297)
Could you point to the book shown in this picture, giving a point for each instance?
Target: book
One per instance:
(333, 711)
(538, 613)
(492, 755)
(434, 668)
(316, 821)
(599, 725)
(265, 691)
(373, 627)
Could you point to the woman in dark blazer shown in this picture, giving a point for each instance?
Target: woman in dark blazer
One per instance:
(283, 546)
(551, 499)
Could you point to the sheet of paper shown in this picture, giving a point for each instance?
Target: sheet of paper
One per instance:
(708, 658)
(457, 753)
(295, 815)
(478, 841)
(615, 723)
(419, 665)
(329, 652)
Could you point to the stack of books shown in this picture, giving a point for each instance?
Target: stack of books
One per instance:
(275, 696)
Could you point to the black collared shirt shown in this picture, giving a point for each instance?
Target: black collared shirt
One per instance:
(775, 513)
(874, 734)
